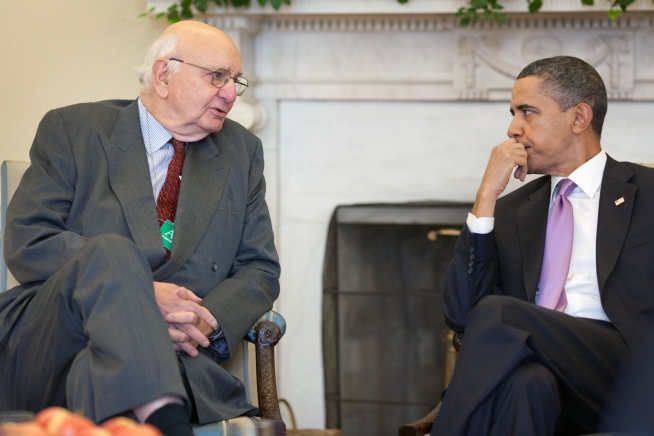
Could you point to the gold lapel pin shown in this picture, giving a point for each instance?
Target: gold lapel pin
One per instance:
(619, 201)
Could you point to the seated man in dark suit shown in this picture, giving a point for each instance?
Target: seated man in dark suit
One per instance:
(552, 283)
(144, 248)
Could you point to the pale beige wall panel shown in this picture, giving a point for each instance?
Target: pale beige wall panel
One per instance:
(56, 53)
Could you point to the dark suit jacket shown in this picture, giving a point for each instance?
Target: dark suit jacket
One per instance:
(89, 176)
(508, 260)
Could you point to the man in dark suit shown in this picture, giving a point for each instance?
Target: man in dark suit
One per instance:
(552, 283)
(117, 314)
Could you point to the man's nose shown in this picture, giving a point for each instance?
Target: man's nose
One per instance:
(515, 129)
(228, 92)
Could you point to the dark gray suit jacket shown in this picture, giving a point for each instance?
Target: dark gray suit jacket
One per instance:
(89, 176)
(508, 260)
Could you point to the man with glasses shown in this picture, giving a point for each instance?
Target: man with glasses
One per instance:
(143, 243)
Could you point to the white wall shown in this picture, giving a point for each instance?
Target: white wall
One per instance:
(56, 53)
(335, 153)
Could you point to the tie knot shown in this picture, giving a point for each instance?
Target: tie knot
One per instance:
(177, 145)
(566, 186)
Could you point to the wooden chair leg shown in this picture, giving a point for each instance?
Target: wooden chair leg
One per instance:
(268, 335)
(422, 426)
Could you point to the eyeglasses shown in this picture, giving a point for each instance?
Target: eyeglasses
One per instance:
(220, 78)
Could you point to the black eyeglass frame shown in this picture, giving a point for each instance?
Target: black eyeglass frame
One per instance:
(240, 82)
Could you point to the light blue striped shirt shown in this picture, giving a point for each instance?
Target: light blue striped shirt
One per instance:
(159, 150)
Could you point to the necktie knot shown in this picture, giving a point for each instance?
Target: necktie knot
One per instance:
(566, 186)
(177, 145)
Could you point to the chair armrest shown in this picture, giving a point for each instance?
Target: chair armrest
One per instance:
(422, 426)
(268, 334)
(271, 315)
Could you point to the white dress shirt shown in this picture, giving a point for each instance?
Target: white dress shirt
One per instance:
(581, 288)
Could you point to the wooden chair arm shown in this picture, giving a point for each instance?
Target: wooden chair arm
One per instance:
(422, 426)
(268, 335)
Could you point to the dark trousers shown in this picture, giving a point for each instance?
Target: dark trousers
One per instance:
(524, 370)
(92, 338)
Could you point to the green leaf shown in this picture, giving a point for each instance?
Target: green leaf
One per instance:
(534, 6)
(500, 18)
(478, 4)
(403, 1)
(263, 2)
(614, 13)
(159, 15)
(201, 5)
(487, 14)
(241, 3)
(464, 21)
(587, 2)
(276, 4)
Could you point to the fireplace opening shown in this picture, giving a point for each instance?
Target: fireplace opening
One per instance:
(387, 352)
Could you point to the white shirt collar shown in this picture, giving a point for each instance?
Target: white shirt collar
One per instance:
(154, 134)
(587, 177)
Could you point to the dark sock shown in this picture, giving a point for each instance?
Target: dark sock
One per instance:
(171, 420)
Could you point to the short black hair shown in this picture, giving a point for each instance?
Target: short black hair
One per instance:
(569, 81)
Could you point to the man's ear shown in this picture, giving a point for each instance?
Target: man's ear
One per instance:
(160, 77)
(583, 115)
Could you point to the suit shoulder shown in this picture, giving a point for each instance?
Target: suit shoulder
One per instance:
(237, 138)
(82, 116)
(236, 132)
(86, 110)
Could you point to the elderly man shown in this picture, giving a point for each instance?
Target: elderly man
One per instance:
(143, 245)
(552, 283)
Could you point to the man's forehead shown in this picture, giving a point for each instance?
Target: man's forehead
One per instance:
(527, 90)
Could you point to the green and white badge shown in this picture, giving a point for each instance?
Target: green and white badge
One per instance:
(167, 229)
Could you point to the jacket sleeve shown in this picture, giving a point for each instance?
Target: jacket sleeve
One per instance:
(37, 241)
(472, 274)
(252, 284)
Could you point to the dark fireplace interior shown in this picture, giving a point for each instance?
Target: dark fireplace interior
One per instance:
(387, 351)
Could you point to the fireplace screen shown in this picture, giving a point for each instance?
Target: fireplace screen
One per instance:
(387, 352)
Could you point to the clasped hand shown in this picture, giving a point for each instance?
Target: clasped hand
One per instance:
(188, 322)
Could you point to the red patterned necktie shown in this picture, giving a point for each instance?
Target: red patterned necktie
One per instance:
(169, 194)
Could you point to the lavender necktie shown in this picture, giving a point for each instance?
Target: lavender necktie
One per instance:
(558, 249)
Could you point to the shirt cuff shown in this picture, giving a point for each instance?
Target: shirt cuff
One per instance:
(218, 344)
(480, 226)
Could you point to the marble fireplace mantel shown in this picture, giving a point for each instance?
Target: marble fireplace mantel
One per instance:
(363, 101)
(363, 49)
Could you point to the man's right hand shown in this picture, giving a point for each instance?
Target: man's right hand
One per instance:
(503, 159)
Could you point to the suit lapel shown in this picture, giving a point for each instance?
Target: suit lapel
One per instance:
(531, 219)
(129, 178)
(613, 220)
(204, 177)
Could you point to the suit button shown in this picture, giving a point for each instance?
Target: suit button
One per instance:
(472, 249)
(471, 264)
(472, 257)
(470, 271)
(214, 266)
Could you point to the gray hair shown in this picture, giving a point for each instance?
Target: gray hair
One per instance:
(163, 47)
(569, 81)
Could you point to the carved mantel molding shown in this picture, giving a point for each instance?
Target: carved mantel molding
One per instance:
(382, 50)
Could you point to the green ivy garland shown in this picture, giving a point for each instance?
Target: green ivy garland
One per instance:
(477, 9)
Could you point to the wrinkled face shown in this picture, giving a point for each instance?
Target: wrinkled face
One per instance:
(198, 106)
(542, 127)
